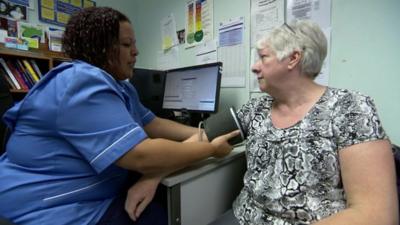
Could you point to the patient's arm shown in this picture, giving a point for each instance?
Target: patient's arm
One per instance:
(369, 180)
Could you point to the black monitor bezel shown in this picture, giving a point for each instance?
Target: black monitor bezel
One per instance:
(152, 105)
(217, 94)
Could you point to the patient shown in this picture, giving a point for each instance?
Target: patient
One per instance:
(315, 154)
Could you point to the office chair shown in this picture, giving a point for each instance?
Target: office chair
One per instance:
(396, 153)
(5, 222)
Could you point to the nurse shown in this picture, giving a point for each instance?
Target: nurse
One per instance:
(80, 136)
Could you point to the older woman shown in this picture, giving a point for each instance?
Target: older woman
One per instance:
(80, 130)
(315, 154)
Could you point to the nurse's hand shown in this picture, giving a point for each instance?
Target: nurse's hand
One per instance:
(199, 136)
(193, 138)
(140, 195)
(221, 144)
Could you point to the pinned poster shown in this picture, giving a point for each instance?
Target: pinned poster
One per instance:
(318, 11)
(58, 12)
(206, 52)
(231, 52)
(265, 16)
(199, 22)
(168, 32)
(29, 30)
(13, 10)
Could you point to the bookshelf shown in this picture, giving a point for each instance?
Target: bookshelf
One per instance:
(18, 62)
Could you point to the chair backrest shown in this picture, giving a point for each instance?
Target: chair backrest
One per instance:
(6, 101)
(396, 153)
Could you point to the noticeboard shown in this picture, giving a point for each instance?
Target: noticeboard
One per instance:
(58, 12)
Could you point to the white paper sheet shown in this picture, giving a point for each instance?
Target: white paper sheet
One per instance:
(233, 66)
(231, 53)
(231, 32)
(265, 15)
(318, 11)
(168, 59)
(168, 32)
(315, 10)
(206, 52)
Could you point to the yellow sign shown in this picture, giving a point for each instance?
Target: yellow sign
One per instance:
(87, 3)
(48, 3)
(48, 14)
(63, 17)
(77, 3)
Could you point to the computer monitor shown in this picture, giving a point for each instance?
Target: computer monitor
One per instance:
(193, 88)
(150, 87)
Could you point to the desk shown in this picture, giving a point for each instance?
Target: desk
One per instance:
(198, 194)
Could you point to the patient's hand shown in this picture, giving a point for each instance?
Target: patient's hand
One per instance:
(140, 195)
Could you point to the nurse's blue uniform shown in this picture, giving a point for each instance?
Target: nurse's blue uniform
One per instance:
(66, 135)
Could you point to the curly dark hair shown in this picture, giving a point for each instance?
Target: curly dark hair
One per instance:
(92, 35)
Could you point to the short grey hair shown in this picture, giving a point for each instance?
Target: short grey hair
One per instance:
(304, 36)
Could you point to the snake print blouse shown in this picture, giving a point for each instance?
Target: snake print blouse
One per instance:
(293, 174)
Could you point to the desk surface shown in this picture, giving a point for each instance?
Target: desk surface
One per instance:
(201, 167)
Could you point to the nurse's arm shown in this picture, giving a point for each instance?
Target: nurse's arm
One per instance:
(162, 156)
(168, 129)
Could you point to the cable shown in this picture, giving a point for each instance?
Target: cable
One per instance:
(201, 126)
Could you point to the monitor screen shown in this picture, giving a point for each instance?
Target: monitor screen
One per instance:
(194, 88)
(150, 87)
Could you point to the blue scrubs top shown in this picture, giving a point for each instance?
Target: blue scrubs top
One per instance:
(66, 135)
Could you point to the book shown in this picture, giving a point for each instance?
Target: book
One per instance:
(31, 31)
(9, 81)
(55, 38)
(3, 23)
(36, 68)
(10, 74)
(12, 28)
(17, 75)
(24, 73)
(30, 70)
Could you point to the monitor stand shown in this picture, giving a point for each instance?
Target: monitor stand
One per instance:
(196, 118)
(190, 118)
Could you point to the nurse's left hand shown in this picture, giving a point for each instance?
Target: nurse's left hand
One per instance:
(140, 195)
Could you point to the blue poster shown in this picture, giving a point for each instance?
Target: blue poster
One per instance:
(20, 2)
(58, 12)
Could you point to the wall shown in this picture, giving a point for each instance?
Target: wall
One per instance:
(365, 47)
(363, 56)
(146, 17)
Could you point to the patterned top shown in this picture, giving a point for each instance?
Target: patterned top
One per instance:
(293, 174)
